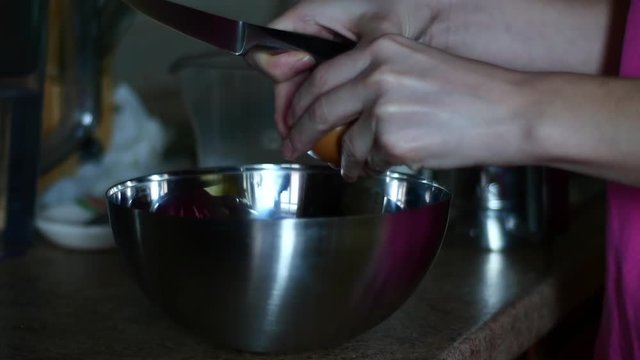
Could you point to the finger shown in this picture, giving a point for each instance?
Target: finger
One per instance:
(320, 19)
(327, 76)
(356, 145)
(377, 162)
(280, 66)
(283, 94)
(330, 110)
(375, 25)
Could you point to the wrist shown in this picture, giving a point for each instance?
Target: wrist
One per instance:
(562, 116)
(519, 138)
(545, 126)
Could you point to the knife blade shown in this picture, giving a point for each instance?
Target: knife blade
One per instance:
(235, 36)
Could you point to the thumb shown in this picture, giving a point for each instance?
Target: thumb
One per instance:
(280, 66)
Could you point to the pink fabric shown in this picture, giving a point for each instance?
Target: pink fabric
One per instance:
(619, 336)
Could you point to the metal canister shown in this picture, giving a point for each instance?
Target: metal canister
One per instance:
(498, 207)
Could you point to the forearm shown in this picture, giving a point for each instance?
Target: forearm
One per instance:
(534, 35)
(586, 124)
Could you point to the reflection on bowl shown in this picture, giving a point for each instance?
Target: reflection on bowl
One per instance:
(285, 258)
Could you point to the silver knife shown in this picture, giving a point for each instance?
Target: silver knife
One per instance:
(234, 36)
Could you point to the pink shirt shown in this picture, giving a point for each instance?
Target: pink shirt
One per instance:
(619, 336)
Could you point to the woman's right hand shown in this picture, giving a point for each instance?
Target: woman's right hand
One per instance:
(517, 34)
(360, 21)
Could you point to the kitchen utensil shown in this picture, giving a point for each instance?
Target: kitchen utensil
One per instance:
(236, 37)
(500, 208)
(290, 258)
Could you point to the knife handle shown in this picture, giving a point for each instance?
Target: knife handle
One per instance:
(321, 49)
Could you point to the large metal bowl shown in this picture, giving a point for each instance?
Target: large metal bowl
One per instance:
(309, 261)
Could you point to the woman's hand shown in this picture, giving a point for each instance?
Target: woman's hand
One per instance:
(355, 20)
(407, 103)
(519, 34)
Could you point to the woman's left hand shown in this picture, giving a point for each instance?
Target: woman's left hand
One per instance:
(407, 103)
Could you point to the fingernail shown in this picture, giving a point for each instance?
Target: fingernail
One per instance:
(300, 60)
(261, 59)
(287, 150)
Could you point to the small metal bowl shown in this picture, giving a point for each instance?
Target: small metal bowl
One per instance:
(283, 258)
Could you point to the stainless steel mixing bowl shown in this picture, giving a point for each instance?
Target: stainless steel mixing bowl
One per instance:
(287, 258)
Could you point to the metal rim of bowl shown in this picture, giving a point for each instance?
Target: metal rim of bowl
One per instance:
(260, 167)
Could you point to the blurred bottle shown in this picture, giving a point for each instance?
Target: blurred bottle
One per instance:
(68, 41)
(22, 31)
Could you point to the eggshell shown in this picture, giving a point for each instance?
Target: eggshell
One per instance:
(329, 147)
